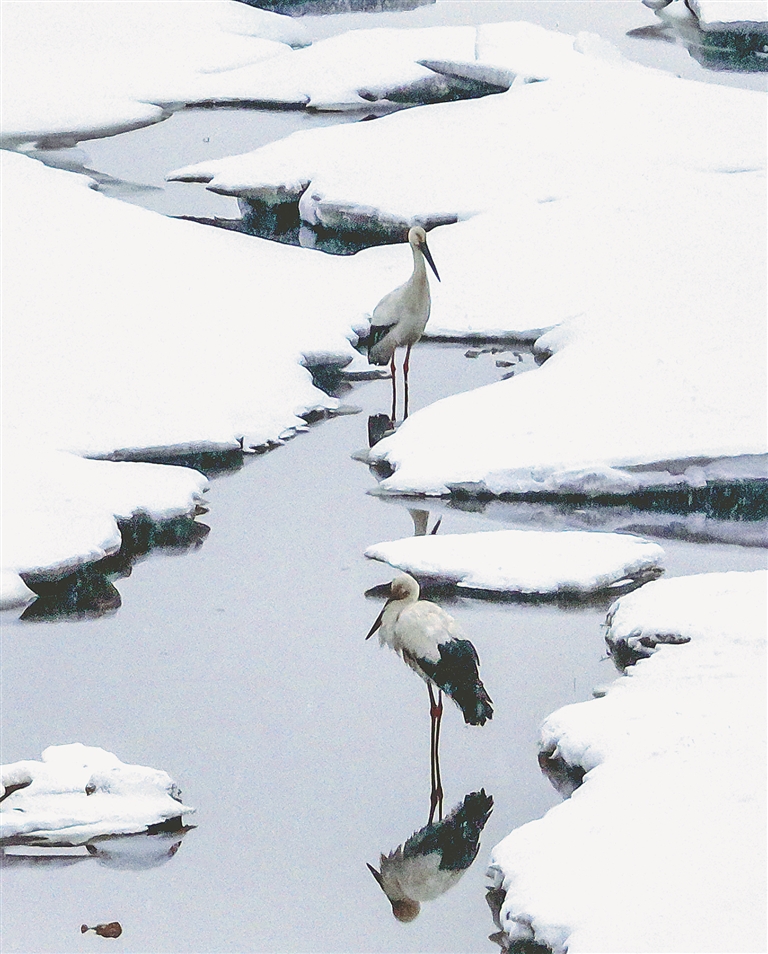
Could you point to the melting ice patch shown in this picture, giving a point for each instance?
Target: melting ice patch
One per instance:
(662, 847)
(114, 354)
(591, 196)
(79, 792)
(84, 70)
(525, 561)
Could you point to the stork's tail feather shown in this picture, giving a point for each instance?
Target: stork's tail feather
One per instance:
(456, 674)
(474, 702)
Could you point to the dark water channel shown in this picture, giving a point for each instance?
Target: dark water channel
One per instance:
(241, 669)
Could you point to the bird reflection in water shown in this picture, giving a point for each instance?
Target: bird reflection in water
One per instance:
(421, 522)
(434, 858)
(400, 317)
(430, 641)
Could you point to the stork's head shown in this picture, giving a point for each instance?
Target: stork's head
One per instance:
(404, 587)
(404, 909)
(417, 239)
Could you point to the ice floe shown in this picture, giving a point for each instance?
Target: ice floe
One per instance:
(76, 71)
(719, 15)
(77, 793)
(593, 193)
(525, 561)
(80, 71)
(61, 511)
(149, 337)
(671, 808)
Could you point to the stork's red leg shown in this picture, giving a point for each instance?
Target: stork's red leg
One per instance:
(406, 365)
(433, 769)
(438, 779)
(393, 369)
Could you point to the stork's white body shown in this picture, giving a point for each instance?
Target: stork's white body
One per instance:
(415, 628)
(431, 642)
(404, 311)
(400, 317)
(418, 878)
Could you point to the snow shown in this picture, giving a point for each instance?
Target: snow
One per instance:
(592, 196)
(671, 813)
(355, 70)
(730, 14)
(149, 336)
(524, 561)
(73, 71)
(60, 511)
(83, 70)
(79, 792)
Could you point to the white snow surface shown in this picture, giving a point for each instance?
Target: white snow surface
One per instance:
(591, 197)
(75, 71)
(730, 14)
(60, 511)
(79, 792)
(524, 561)
(663, 846)
(147, 334)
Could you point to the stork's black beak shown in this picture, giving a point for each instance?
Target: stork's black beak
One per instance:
(428, 256)
(376, 875)
(377, 623)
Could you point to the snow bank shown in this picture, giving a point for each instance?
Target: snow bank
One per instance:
(78, 71)
(662, 848)
(61, 511)
(75, 71)
(718, 15)
(79, 792)
(147, 336)
(524, 561)
(354, 70)
(594, 194)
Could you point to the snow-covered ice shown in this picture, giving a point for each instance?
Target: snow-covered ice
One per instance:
(79, 792)
(75, 71)
(84, 70)
(525, 561)
(61, 511)
(718, 15)
(148, 334)
(671, 813)
(594, 194)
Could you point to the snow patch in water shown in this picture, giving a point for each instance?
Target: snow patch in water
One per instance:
(79, 792)
(524, 561)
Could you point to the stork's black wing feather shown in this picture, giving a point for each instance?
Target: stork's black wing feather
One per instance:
(456, 674)
(457, 838)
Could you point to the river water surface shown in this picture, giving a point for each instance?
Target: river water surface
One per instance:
(241, 668)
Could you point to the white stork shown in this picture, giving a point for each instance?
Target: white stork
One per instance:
(401, 316)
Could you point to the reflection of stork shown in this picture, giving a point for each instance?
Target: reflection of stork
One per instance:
(401, 316)
(433, 859)
(430, 642)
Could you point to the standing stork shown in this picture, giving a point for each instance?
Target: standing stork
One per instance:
(401, 316)
(431, 642)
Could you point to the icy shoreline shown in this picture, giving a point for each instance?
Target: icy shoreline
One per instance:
(667, 811)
